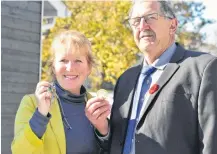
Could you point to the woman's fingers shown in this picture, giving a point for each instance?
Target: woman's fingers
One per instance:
(42, 85)
(99, 111)
(92, 101)
(104, 115)
(42, 92)
(42, 89)
(97, 108)
(96, 104)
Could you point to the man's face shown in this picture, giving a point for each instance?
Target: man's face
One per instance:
(152, 33)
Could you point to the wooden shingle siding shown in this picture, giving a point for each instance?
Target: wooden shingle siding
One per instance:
(21, 35)
(10, 98)
(26, 26)
(20, 60)
(23, 56)
(28, 6)
(19, 66)
(18, 45)
(18, 13)
(18, 88)
(19, 77)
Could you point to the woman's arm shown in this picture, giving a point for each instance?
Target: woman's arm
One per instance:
(25, 140)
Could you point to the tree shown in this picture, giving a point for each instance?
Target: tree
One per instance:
(112, 41)
(112, 44)
(191, 21)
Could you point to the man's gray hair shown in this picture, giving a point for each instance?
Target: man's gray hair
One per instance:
(165, 8)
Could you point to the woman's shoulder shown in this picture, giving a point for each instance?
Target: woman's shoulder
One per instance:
(29, 100)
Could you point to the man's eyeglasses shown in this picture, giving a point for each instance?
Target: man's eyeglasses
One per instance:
(149, 19)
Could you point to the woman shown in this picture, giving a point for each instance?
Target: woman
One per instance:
(53, 121)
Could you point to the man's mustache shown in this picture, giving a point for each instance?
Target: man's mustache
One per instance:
(147, 33)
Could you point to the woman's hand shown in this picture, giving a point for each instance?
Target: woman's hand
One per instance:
(43, 96)
(97, 110)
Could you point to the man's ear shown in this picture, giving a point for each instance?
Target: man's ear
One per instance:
(173, 26)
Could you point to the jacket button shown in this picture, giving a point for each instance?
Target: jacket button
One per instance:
(121, 143)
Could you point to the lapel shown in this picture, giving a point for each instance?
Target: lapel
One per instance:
(129, 91)
(167, 74)
(126, 108)
(57, 126)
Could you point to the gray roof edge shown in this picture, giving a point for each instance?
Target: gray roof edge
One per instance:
(62, 10)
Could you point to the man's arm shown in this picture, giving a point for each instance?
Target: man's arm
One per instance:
(207, 109)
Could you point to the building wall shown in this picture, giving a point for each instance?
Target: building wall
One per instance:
(20, 62)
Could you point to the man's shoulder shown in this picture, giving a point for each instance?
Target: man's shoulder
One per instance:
(183, 55)
(198, 53)
(199, 57)
(196, 60)
(131, 72)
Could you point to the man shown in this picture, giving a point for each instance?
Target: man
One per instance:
(172, 109)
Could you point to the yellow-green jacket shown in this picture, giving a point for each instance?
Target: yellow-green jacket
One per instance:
(26, 142)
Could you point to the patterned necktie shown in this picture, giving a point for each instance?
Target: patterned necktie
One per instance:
(132, 122)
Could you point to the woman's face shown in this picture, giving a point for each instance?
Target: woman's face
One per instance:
(71, 70)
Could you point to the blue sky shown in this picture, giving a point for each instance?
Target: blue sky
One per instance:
(210, 30)
(210, 9)
(210, 12)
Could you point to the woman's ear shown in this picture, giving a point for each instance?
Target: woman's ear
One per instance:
(90, 70)
(53, 69)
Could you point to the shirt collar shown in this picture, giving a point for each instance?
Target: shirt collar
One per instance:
(164, 59)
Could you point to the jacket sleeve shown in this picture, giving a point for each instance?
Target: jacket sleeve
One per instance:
(207, 109)
(102, 141)
(25, 140)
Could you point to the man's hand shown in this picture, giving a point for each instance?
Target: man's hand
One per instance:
(97, 110)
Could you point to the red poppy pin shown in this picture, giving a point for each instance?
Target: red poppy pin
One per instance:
(153, 88)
